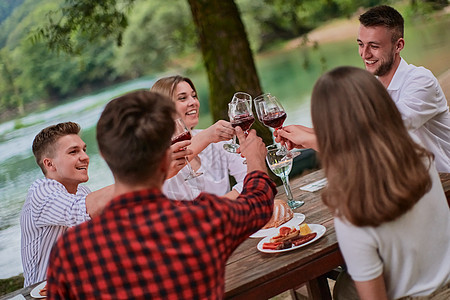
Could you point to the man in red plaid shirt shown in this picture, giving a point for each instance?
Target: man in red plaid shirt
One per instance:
(144, 245)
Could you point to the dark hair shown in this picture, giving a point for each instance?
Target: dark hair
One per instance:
(375, 171)
(133, 133)
(44, 142)
(386, 16)
(166, 85)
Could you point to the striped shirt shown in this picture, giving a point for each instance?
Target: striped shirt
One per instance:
(48, 212)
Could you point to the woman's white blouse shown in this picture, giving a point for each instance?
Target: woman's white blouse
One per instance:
(216, 165)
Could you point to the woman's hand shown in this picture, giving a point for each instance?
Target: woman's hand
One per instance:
(296, 136)
(219, 131)
(179, 152)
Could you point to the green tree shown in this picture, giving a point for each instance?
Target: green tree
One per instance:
(157, 33)
(11, 98)
(223, 40)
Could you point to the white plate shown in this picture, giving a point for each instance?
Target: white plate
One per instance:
(35, 292)
(296, 220)
(319, 229)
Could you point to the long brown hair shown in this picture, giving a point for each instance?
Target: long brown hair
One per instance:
(375, 170)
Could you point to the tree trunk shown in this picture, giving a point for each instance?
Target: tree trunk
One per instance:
(227, 56)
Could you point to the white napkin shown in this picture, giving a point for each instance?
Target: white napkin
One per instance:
(315, 186)
(17, 297)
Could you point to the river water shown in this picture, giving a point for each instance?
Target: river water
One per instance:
(287, 75)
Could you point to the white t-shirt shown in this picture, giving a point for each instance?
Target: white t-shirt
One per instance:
(412, 252)
(48, 212)
(216, 166)
(424, 109)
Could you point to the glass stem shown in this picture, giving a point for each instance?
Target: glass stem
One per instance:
(191, 171)
(287, 188)
(234, 139)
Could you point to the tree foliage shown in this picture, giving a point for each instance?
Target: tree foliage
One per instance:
(153, 35)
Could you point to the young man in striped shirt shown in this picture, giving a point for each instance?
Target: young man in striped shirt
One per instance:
(57, 201)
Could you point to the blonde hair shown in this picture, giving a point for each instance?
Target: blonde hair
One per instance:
(375, 171)
(167, 85)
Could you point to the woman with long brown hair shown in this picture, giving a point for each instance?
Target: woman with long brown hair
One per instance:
(391, 215)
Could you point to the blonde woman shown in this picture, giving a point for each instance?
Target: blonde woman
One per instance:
(206, 145)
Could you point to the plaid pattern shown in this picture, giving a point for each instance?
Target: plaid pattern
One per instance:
(145, 246)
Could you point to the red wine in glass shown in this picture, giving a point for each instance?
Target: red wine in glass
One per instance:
(185, 136)
(272, 114)
(275, 119)
(240, 114)
(243, 121)
(182, 133)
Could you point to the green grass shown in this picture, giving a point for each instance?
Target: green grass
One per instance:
(11, 284)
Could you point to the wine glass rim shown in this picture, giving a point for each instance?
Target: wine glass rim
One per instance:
(235, 95)
(273, 147)
(261, 97)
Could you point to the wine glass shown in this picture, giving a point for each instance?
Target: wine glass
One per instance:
(240, 114)
(182, 133)
(281, 166)
(272, 114)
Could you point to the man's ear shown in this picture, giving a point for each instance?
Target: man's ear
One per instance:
(400, 45)
(166, 160)
(48, 164)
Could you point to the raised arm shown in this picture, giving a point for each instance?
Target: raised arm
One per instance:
(96, 201)
(296, 136)
(253, 149)
(219, 131)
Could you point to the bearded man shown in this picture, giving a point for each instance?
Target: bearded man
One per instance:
(415, 90)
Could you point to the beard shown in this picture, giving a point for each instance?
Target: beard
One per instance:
(385, 67)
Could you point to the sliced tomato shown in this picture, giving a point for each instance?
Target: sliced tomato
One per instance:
(271, 246)
(285, 231)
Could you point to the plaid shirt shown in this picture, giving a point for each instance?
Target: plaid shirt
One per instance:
(145, 246)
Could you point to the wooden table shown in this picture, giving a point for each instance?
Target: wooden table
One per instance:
(251, 274)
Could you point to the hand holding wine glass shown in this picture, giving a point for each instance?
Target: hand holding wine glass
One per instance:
(272, 114)
(297, 136)
(182, 133)
(179, 152)
(240, 114)
(281, 166)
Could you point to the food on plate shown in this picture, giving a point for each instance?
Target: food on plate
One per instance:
(304, 229)
(288, 237)
(43, 291)
(304, 238)
(281, 214)
(285, 234)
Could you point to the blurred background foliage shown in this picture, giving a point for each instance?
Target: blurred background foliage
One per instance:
(160, 35)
